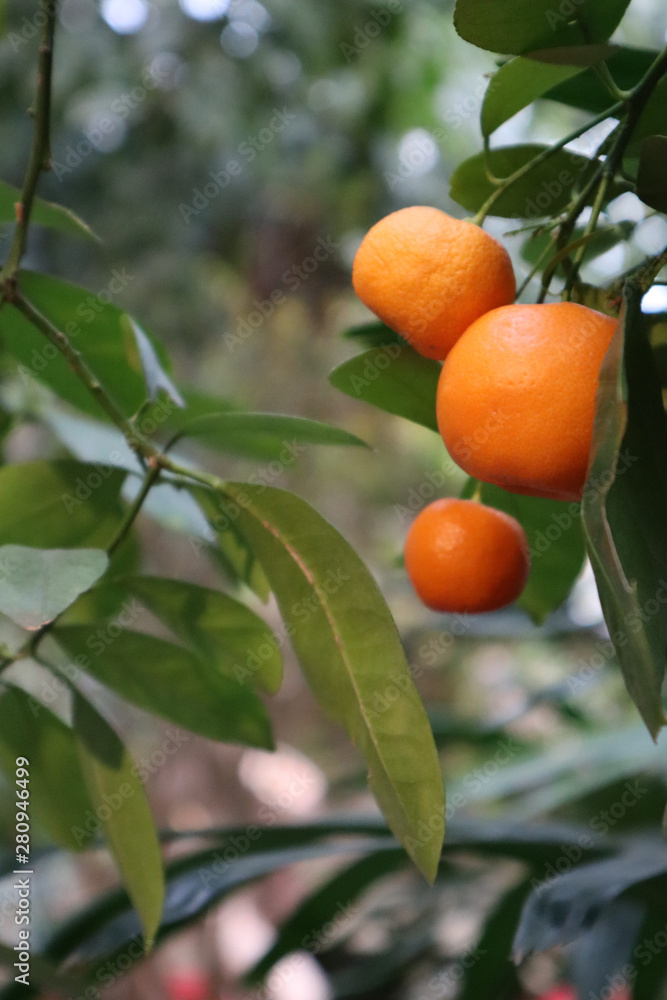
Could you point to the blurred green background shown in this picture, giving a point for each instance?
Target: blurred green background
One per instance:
(214, 146)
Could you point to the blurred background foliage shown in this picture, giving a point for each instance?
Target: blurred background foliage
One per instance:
(315, 126)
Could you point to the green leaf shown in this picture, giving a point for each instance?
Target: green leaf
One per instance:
(233, 554)
(493, 976)
(651, 122)
(58, 792)
(596, 243)
(122, 807)
(587, 92)
(557, 549)
(265, 435)
(169, 681)
(545, 190)
(44, 213)
(96, 328)
(222, 630)
(651, 186)
(395, 379)
(624, 510)
(60, 504)
(516, 85)
(518, 26)
(349, 649)
(374, 335)
(156, 377)
(37, 584)
(329, 902)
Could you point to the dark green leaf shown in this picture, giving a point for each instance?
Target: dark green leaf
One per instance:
(395, 379)
(44, 213)
(516, 85)
(574, 55)
(97, 330)
(121, 806)
(557, 549)
(546, 190)
(37, 584)
(651, 121)
(349, 649)
(588, 92)
(518, 26)
(265, 435)
(651, 187)
(624, 511)
(169, 681)
(220, 629)
(650, 979)
(58, 792)
(59, 504)
(303, 929)
(599, 242)
(493, 976)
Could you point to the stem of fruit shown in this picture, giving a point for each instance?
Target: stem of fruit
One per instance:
(40, 152)
(635, 101)
(541, 157)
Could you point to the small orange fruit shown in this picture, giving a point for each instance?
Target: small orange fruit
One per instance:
(429, 276)
(462, 556)
(516, 397)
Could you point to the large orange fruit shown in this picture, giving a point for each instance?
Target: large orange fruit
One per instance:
(516, 397)
(462, 556)
(429, 276)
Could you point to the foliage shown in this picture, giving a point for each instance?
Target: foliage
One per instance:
(70, 557)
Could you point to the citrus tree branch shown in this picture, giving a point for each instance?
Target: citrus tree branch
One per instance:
(84, 373)
(539, 159)
(40, 152)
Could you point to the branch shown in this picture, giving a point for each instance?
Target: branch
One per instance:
(137, 442)
(40, 153)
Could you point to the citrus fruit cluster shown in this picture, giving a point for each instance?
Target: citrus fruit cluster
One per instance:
(515, 401)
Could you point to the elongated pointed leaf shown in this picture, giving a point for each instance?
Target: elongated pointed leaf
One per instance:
(169, 681)
(223, 631)
(626, 65)
(349, 649)
(266, 435)
(516, 85)
(395, 379)
(44, 213)
(122, 808)
(518, 26)
(156, 377)
(624, 511)
(557, 549)
(37, 584)
(58, 794)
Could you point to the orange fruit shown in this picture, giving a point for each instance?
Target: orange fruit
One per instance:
(463, 556)
(429, 276)
(516, 397)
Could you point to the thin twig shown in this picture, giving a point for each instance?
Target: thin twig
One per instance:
(40, 153)
(151, 477)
